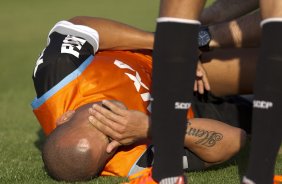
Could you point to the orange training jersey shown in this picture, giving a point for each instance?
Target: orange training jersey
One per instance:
(117, 75)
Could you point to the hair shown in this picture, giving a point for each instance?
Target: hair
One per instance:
(74, 151)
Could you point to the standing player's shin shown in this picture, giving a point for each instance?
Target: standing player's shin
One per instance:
(174, 65)
(267, 116)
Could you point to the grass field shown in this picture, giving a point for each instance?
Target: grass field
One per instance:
(24, 27)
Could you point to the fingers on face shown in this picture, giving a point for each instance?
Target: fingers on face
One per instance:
(115, 107)
(103, 113)
(99, 118)
(102, 126)
(112, 146)
(111, 128)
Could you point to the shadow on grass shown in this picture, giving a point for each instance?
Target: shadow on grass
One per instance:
(40, 139)
(240, 160)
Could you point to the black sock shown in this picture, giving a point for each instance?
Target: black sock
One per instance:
(194, 163)
(174, 66)
(267, 114)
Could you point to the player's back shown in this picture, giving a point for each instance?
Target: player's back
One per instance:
(118, 75)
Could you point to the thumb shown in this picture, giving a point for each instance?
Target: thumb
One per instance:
(112, 145)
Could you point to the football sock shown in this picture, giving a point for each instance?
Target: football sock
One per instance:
(174, 66)
(194, 163)
(267, 105)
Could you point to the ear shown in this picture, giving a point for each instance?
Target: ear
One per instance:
(65, 117)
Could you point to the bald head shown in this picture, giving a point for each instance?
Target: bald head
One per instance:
(75, 150)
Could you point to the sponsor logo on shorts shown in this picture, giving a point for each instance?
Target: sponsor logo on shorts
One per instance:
(260, 104)
(72, 45)
(182, 105)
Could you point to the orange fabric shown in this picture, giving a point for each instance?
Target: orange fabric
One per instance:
(102, 79)
(277, 179)
(190, 113)
(142, 177)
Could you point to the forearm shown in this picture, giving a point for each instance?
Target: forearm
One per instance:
(224, 10)
(242, 32)
(213, 141)
(115, 35)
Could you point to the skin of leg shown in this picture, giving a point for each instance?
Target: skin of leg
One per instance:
(271, 8)
(186, 9)
(230, 71)
(212, 140)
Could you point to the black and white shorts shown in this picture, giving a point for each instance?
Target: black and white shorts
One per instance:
(68, 46)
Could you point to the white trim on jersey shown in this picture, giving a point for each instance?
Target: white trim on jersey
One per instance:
(87, 33)
(177, 20)
(269, 20)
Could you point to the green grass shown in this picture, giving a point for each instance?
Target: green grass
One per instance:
(24, 27)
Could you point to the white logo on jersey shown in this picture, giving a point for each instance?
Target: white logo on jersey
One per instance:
(122, 65)
(38, 62)
(146, 96)
(69, 43)
(262, 104)
(182, 105)
(137, 82)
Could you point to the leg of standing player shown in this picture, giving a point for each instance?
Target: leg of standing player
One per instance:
(174, 65)
(267, 116)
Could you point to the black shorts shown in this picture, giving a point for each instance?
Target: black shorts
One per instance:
(68, 46)
(233, 110)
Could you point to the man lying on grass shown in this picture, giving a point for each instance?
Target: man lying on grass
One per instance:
(79, 68)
